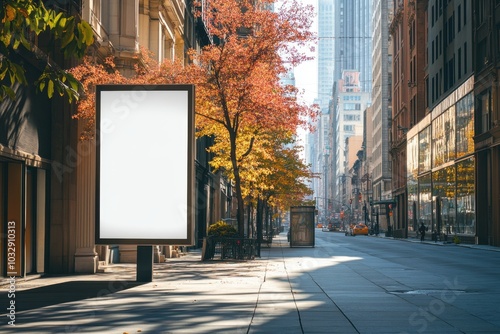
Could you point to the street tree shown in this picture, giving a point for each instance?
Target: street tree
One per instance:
(239, 93)
(283, 181)
(239, 96)
(90, 74)
(22, 23)
(148, 71)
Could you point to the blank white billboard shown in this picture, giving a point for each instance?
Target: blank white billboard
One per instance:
(145, 164)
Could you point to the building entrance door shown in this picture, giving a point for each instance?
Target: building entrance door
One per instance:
(22, 219)
(11, 218)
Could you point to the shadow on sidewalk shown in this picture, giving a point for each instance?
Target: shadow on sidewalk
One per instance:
(65, 292)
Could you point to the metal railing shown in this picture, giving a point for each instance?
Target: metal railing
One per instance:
(223, 248)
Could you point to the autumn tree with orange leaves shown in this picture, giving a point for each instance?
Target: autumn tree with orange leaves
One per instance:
(240, 101)
(238, 91)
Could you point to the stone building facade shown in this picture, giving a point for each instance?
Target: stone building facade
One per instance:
(47, 174)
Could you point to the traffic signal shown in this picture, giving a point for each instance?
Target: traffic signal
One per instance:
(359, 197)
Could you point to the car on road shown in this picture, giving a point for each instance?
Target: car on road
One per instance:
(357, 229)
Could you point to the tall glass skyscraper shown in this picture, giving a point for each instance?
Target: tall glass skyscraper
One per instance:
(352, 39)
(326, 55)
(345, 44)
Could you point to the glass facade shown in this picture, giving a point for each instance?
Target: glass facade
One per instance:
(465, 126)
(425, 200)
(412, 182)
(424, 150)
(443, 138)
(440, 172)
(466, 206)
(443, 190)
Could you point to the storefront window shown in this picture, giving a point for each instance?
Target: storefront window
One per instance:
(443, 186)
(466, 206)
(465, 126)
(412, 182)
(425, 201)
(424, 150)
(412, 187)
(443, 137)
(412, 157)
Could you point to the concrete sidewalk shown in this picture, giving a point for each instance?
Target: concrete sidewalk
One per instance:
(186, 296)
(287, 290)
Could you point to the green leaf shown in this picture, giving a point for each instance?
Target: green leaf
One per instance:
(36, 25)
(60, 88)
(25, 42)
(6, 39)
(12, 76)
(6, 90)
(16, 43)
(62, 22)
(67, 38)
(87, 32)
(57, 18)
(3, 72)
(41, 86)
(50, 89)
(44, 13)
(74, 84)
(70, 50)
(19, 73)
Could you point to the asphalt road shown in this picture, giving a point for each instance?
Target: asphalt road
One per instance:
(449, 284)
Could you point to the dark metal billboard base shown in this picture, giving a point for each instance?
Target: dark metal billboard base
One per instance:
(144, 264)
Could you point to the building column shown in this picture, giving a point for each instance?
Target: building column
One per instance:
(495, 198)
(86, 258)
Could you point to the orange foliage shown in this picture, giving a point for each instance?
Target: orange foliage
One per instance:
(239, 96)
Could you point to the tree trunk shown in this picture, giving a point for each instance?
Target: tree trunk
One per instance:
(259, 224)
(240, 215)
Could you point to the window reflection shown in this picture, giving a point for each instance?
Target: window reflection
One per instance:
(443, 186)
(412, 182)
(424, 153)
(425, 201)
(449, 137)
(443, 137)
(465, 126)
(466, 206)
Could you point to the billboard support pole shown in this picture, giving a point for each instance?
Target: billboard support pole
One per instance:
(144, 264)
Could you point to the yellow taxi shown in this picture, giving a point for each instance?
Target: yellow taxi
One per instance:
(360, 229)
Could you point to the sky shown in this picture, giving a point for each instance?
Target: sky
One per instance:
(306, 74)
(306, 77)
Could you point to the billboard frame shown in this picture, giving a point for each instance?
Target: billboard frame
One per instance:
(143, 123)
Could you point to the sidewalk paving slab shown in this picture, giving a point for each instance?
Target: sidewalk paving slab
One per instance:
(277, 293)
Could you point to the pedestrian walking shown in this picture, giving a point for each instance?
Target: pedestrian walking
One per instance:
(422, 230)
